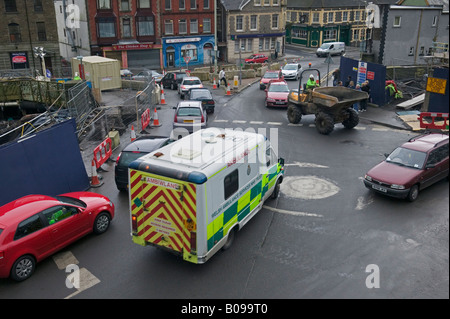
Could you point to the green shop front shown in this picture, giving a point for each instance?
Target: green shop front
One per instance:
(315, 36)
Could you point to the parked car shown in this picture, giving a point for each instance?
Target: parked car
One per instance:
(139, 147)
(189, 115)
(147, 75)
(257, 58)
(126, 74)
(187, 83)
(269, 76)
(173, 79)
(34, 227)
(417, 164)
(277, 93)
(204, 95)
(291, 71)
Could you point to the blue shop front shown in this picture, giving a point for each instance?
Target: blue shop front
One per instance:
(194, 49)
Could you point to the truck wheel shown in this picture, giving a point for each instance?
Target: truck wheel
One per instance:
(294, 114)
(324, 123)
(352, 120)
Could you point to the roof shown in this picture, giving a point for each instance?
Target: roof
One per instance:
(145, 144)
(333, 3)
(206, 151)
(231, 5)
(425, 142)
(25, 207)
(96, 59)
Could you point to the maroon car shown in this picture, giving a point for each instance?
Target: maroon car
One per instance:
(34, 227)
(257, 58)
(277, 94)
(417, 164)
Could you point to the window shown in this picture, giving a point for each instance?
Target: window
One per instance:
(106, 27)
(28, 226)
(257, 2)
(266, 43)
(182, 4)
(103, 4)
(144, 4)
(189, 50)
(182, 26)
(125, 5)
(266, 2)
(168, 4)
(422, 51)
(435, 20)
(355, 35)
(330, 17)
(250, 45)
(274, 21)
(239, 24)
(253, 24)
(194, 26)
(168, 26)
(193, 4)
(231, 183)
(397, 21)
(205, 4)
(206, 25)
(38, 6)
(10, 6)
(272, 43)
(357, 15)
(14, 33)
(42, 35)
(275, 2)
(345, 16)
(58, 213)
(329, 35)
(316, 17)
(411, 51)
(261, 44)
(145, 26)
(126, 28)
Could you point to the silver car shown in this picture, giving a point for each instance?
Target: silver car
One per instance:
(189, 82)
(147, 76)
(291, 71)
(189, 115)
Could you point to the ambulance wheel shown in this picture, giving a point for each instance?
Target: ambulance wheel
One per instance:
(276, 190)
(230, 239)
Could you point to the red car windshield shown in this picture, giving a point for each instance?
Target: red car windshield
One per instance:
(406, 157)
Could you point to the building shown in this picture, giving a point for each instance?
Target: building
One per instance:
(250, 26)
(312, 22)
(126, 30)
(73, 28)
(410, 30)
(29, 24)
(187, 28)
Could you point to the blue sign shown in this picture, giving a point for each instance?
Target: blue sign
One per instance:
(48, 73)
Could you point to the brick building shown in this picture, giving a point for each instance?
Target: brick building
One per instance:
(126, 30)
(28, 24)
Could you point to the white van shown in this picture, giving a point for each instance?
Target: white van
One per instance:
(191, 196)
(333, 48)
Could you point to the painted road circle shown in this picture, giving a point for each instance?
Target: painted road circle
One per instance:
(308, 187)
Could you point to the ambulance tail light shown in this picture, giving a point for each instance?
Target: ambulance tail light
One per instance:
(193, 241)
(134, 224)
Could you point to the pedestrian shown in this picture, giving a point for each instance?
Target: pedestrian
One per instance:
(356, 104)
(349, 79)
(336, 76)
(340, 83)
(276, 55)
(351, 85)
(365, 87)
(222, 78)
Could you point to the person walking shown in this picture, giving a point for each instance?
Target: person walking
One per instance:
(365, 87)
(222, 78)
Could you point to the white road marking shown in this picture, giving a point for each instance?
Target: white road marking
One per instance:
(87, 280)
(64, 259)
(300, 164)
(308, 187)
(292, 124)
(290, 212)
(256, 122)
(363, 202)
(221, 121)
(312, 125)
(239, 121)
(274, 123)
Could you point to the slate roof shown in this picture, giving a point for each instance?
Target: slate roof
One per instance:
(333, 3)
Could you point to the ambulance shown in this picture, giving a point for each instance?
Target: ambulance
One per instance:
(192, 196)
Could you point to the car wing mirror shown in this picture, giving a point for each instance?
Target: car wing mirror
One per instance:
(430, 165)
(386, 155)
(174, 107)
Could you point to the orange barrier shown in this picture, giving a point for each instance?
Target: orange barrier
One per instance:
(145, 119)
(102, 152)
(433, 116)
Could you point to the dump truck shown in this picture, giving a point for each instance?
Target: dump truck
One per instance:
(330, 105)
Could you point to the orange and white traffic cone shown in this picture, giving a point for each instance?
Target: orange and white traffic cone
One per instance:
(95, 182)
(214, 84)
(228, 90)
(156, 119)
(133, 133)
(163, 98)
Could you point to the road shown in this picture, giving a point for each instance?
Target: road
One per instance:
(325, 236)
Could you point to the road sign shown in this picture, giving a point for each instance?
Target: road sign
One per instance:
(362, 72)
(187, 58)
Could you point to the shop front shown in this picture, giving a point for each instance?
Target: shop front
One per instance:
(136, 56)
(181, 52)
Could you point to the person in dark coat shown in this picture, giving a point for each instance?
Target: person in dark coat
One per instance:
(365, 87)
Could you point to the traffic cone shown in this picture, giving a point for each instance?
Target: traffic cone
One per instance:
(133, 133)
(228, 90)
(95, 182)
(214, 85)
(156, 119)
(163, 98)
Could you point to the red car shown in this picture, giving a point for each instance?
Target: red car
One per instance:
(417, 164)
(269, 76)
(34, 227)
(277, 93)
(257, 58)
